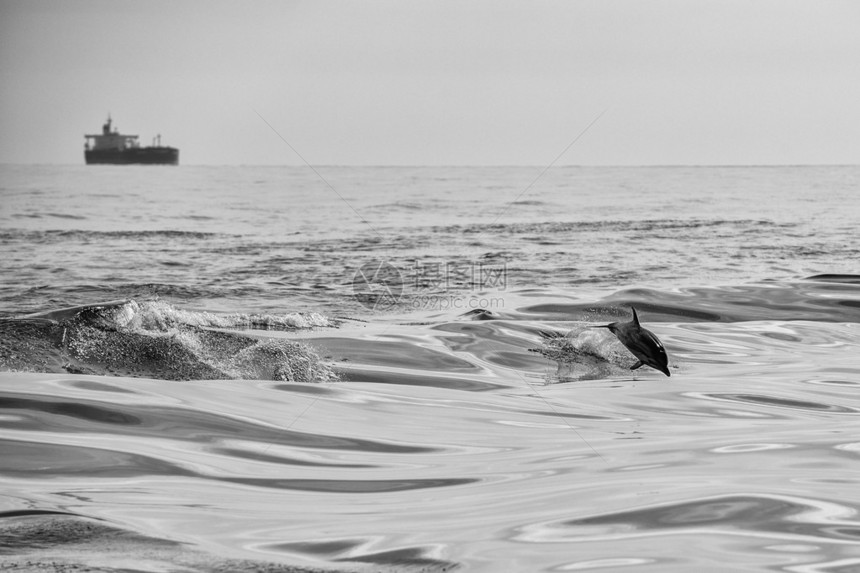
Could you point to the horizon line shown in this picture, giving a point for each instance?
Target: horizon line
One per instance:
(453, 165)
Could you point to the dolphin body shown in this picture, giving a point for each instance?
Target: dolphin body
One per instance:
(641, 342)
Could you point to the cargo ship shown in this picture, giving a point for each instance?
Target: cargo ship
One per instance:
(114, 148)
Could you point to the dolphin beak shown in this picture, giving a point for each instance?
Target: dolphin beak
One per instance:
(600, 326)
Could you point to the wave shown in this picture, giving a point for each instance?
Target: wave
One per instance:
(777, 516)
(78, 234)
(157, 340)
(646, 225)
(67, 541)
(824, 298)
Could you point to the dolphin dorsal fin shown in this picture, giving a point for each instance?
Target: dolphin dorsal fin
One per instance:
(635, 317)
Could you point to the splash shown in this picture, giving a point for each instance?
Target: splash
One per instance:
(160, 315)
(157, 340)
(584, 354)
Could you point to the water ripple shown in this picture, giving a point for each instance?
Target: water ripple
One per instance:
(780, 402)
(783, 517)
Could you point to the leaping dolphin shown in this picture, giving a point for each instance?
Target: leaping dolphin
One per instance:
(641, 342)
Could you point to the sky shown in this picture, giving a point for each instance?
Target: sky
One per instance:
(400, 82)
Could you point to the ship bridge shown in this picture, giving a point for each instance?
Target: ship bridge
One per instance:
(108, 139)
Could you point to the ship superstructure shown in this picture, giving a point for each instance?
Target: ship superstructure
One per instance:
(112, 147)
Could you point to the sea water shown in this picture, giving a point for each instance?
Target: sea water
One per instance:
(391, 367)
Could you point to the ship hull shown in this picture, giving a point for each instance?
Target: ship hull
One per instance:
(138, 155)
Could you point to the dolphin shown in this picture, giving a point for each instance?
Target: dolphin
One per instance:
(641, 342)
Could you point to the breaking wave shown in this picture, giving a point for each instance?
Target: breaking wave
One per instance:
(157, 340)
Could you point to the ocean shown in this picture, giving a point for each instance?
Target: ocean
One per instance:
(391, 369)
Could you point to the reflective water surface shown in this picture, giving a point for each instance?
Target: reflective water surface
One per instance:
(459, 442)
(173, 418)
